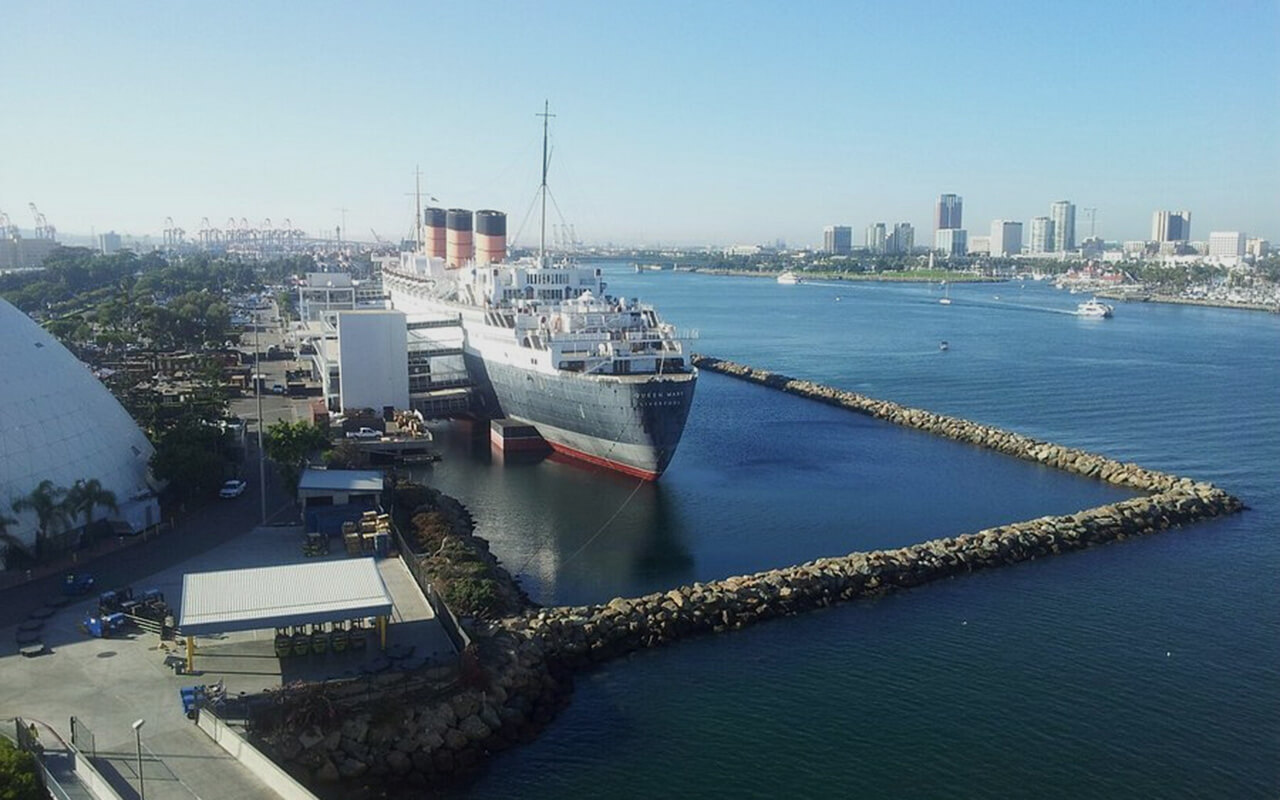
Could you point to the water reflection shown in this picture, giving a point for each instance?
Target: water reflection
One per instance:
(570, 532)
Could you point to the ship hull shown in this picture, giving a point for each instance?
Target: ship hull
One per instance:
(630, 423)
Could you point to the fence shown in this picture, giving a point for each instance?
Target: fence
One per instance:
(82, 738)
(452, 628)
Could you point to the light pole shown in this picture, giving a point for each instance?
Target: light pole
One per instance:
(137, 734)
(257, 390)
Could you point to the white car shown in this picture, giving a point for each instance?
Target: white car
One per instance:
(232, 489)
(365, 433)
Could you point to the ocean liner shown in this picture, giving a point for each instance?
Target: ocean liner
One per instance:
(603, 379)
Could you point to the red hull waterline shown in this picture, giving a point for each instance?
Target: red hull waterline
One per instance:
(625, 469)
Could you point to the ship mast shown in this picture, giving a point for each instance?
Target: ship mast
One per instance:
(542, 236)
(417, 208)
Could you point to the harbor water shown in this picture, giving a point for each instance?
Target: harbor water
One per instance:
(1148, 668)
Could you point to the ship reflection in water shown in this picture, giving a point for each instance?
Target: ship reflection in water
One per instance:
(571, 532)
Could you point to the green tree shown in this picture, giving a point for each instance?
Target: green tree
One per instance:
(190, 457)
(86, 495)
(18, 779)
(12, 544)
(46, 501)
(290, 444)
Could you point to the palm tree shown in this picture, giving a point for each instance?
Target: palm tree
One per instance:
(46, 501)
(11, 542)
(84, 496)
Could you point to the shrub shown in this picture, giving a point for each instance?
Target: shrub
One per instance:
(18, 779)
(472, 596)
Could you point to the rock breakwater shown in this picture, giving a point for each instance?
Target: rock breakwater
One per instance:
(585, 634)
(520, 674)
(1068, 459)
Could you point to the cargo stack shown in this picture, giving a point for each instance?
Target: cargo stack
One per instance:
(371, 535)
(351, 538)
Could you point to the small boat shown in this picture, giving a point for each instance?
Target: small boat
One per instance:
(946, 296)
(1095, 309)
(943, 345)
(789, 278)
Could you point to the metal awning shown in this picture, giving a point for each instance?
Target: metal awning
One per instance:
(340, 480)
(270, 597)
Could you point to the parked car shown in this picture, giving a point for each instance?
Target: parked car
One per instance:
(365, 433)
(232, 489)
(277, 388)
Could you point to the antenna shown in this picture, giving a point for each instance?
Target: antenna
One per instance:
(542, 236)
(344, 224)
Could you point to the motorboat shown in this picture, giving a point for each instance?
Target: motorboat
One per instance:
(1094, 308)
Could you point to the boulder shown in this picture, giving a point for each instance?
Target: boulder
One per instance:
(475, 728)
(327, 773)
(310, 738)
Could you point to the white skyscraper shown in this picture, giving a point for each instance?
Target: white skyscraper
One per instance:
(951, 241)
(1006, 238)
(1042, 235)
(876, 237)
(1063, 216)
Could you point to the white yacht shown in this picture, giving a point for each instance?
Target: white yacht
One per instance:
(1093, 308)
(789, 278)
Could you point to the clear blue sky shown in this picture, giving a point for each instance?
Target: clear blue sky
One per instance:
(677, 122)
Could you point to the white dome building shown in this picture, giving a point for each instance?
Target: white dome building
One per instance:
(59, 423)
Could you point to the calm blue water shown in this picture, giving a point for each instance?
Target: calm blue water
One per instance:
(1149, 668)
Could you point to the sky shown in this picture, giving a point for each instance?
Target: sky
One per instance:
(676, 123)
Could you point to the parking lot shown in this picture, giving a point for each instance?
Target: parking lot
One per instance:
(109, 683)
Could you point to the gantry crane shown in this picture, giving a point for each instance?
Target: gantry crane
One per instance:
(43, 229)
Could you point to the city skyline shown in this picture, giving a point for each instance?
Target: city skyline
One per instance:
(134, 114)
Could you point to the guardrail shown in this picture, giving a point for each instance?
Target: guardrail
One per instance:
(263, 768)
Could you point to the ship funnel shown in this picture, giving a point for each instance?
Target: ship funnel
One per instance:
(433, 219)
(460, 247)
(491, 237)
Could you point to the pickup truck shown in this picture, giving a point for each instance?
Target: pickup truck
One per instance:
(365, 433)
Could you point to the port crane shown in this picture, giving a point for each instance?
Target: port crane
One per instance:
(43, 229)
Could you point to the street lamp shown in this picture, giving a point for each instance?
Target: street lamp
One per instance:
(257, 390)
(137, 734)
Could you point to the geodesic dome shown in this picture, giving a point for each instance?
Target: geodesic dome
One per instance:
(59, 423)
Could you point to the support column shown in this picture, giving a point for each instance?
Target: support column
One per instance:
(191, 654)
(382, 631)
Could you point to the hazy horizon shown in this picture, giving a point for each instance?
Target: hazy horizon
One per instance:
(675, 124)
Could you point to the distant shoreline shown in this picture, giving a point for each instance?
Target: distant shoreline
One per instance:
(880, 277)
(1188, 301)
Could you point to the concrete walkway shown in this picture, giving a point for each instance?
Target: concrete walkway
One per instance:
(109, 683)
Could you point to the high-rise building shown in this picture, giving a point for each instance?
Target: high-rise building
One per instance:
(109, 242)
(949, 209)
(1171, 226)
(1042, 235)
(903, 239)
(876, 238)
(1006, 238)
(837, 239)
(1257, 248)
(1063, 216)
(951, 241)
(1226, 244)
